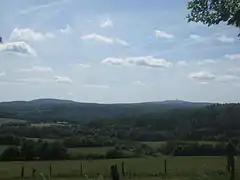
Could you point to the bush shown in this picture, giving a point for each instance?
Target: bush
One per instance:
(10, 154)
(193, 149)
(8, 139)
(119, 153)
(88, 141)
(31, 150)
(114, 153)
(81, 156)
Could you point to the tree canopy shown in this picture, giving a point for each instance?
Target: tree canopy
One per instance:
(212, 12)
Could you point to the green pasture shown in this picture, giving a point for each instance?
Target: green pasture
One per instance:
(178, 168)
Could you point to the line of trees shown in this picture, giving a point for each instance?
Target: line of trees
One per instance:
(31, 150)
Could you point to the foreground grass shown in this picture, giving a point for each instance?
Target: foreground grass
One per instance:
(139, 168)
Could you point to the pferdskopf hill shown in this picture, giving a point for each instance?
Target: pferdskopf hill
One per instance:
(64, 110)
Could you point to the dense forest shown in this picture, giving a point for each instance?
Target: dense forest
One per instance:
(63, 110)
(181, 126)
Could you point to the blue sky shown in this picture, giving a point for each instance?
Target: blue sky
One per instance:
(114, 51)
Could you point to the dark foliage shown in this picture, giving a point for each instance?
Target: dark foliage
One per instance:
(213, 12)
(8, 139)
(31, 150)
(89, 141)
(118, 153)
(194, 149)
(10, 154)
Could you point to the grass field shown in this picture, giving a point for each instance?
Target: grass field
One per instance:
(157, 144)
(179, 168)
(7, 120)
(90, 150)
(72, 151)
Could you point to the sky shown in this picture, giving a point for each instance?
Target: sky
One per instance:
(113, 51)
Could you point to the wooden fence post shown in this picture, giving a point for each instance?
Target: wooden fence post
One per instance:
(81, 170)
(22, 172)
(50, 170)
(165, 168)
(114, 172)
(33, 172)
(233, 171)
(123, 168)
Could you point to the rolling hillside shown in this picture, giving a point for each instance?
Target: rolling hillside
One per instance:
(64, 110)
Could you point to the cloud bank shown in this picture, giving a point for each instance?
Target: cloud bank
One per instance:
(147, 61)
(18, 48)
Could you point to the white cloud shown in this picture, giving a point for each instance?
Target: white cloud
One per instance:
(2, 74)
(37, 69)
(196, 38)
(206, 61)
(114, 61)
(182, 63)
(107, 23)
(149, 61)
(58, 79)
(233, 56)
(34, 80)
(18, 48)
(83, 65)
(228, 78)
(70, 93)
(138, 83)
(41, 7)
(29, 35)
(121, 42)
(237, 85)
(202, 76)
(97, 37)
(234, 70)
(225, 39)
(63, 79)
(107, 40)
(163, 34)
(50, 35)
(66, 30)
(203, 83)
(97, 86)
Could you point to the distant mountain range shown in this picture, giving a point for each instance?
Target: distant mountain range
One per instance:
(65, 110)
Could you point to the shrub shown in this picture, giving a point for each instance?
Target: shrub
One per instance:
(114, 153)
(10, 154)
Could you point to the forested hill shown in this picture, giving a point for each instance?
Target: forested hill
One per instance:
(64, 110)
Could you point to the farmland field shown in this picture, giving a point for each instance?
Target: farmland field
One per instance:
(139, 168)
